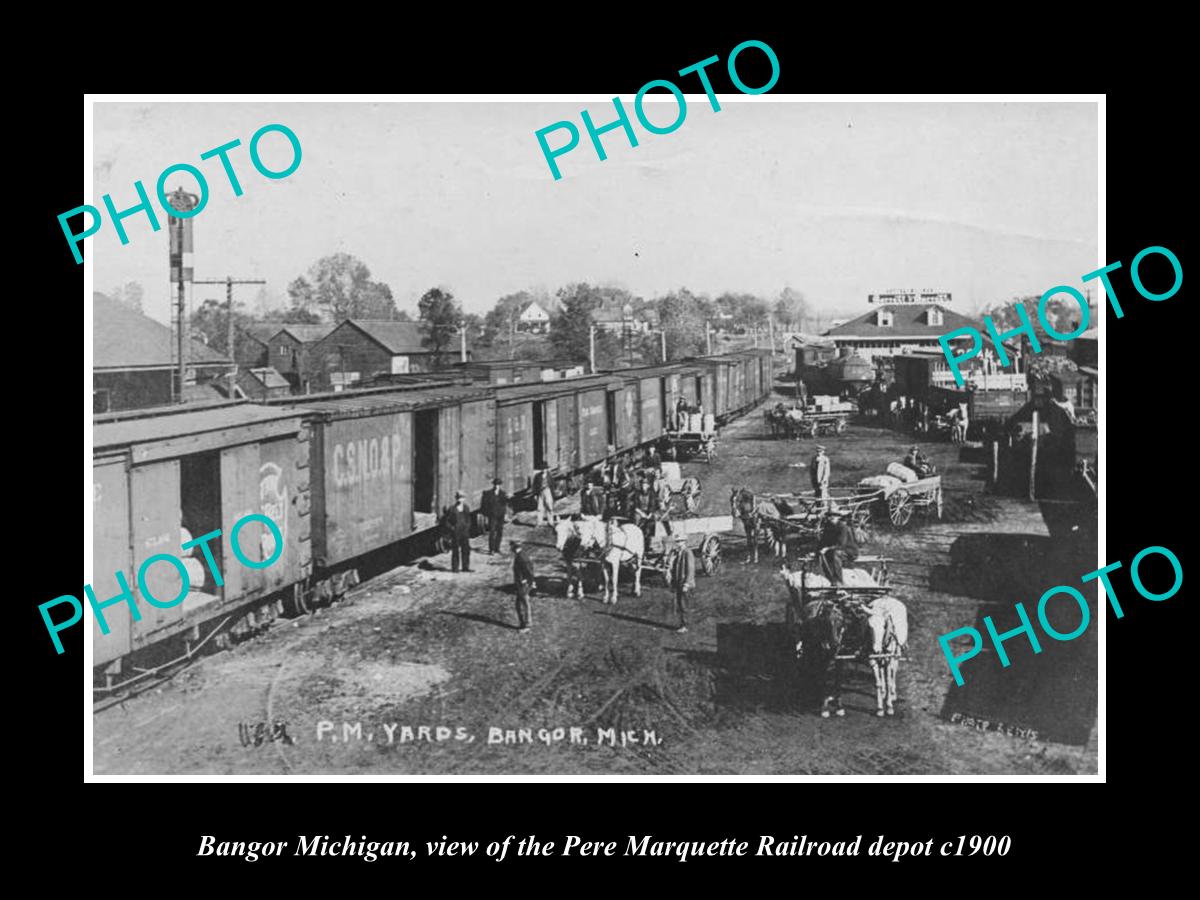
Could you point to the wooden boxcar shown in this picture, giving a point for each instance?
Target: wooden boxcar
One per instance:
(157, 476)
(390, 460)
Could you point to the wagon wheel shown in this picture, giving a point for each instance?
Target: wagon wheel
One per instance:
(861, 522)
(900, 508)
(710, 555)
(841, 426)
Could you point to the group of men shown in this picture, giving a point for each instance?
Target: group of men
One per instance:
(647, 501)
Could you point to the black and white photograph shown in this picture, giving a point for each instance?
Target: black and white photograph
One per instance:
(533, 436)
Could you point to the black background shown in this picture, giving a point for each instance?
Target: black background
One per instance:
(1057, 829)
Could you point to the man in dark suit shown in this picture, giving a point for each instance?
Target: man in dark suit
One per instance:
(592, 502)
(838, 547)
(494, 505)
(523, 580)
(456, 522)
(683, 580)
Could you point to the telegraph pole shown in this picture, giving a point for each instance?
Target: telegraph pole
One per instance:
(708, 335)
(229, 281)
(592, 348)
(462, 341)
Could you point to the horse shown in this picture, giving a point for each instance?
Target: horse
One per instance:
(744, 505)
(617, 544)
(839, 626)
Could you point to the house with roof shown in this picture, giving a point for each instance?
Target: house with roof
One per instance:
(262, 383)
(890, 330)
(611, 316)
(250, 344)
(534, 319)
(133, 365)
(288, 347)
(360, 349)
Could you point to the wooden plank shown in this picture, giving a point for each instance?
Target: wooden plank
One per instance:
(213, 440)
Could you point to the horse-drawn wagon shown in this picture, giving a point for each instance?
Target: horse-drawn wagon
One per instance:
(780, 517)
(903, 498)
(855, 620)
(693, 437)
(808, 421)
(615, 545)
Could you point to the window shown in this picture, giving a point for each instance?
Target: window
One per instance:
(884, 318)
(935, 316)
(100, 400)
(282, 350)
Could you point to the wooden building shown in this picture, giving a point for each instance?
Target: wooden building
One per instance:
(360, 349)
(132, 361)
(288, 349)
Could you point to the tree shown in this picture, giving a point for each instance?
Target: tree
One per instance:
(340, 286)
(501, 319)
(440, 317)
(1062, 313)
(682, 316)
(209, 323)
(292, 316)
(570, 330)
(791, 310)
(130, 295)
(747, 310)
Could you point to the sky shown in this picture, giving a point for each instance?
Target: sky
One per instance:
(835, 200)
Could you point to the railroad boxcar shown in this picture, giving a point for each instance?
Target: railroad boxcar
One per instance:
(566, 424)
(389, 461)
(162, 478)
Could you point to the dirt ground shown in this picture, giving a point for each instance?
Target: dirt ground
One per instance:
(423, 671)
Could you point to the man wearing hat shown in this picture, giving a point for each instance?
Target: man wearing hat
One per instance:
(494, 505)
(456, 522)
(818, 471)
(545, 497)
(523, 581)
(838, 546)
(592, 503)
(683, 579)
(916, 461)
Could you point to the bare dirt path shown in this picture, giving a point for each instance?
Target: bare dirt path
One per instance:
(415, 671)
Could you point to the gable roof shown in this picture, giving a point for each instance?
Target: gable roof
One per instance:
(395, 337)
(305, 334)
(260, 331)
(269, 377)
(123, 338)
(907, 322)
(534, 310)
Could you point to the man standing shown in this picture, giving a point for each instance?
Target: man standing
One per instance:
(456, 523)
(591, 502)
(494, 505)
(818, 471)
(545, 497)
(523, 581)
(683, 579)
(653, 460)
(644, 505)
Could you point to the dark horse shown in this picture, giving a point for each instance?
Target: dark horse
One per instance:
(827, 631)
(744, 505)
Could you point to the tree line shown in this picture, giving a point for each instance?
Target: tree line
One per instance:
(340, 286)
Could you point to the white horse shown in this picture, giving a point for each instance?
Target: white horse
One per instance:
(889, 638)
(617, 545)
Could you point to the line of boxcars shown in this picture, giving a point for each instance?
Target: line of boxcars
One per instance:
(352, 479)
